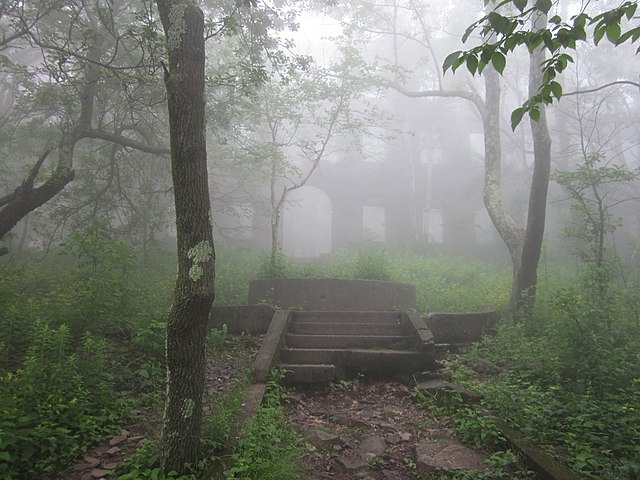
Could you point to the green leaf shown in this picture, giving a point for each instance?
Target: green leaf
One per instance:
(543, 5)
(633, 34)
(534, 114)
(580, 21)
(499, 23)
(468, 32)
(472, 64)
(598, 33)
(487, 53)
(520, 4)
(613, 32)
(6, 456)
(516, 117)
(450, 60)
(534, 41)
(556, 89)
(498, 61)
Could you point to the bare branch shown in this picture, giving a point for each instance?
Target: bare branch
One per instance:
(125, 142)
(472, 97)
(602, 87)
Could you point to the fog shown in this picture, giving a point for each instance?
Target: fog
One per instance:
(412, 174)
(329, 127)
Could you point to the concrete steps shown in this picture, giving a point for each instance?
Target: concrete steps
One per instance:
(295, 340)
(323, 346)
(343, 328)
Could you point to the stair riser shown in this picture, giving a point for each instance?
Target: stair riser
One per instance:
(308, 373)
(347, 341)
(361, 360)
(348, 317)
(316, 328)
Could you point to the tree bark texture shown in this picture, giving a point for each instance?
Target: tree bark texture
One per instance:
(26, 198)
(510, 232)
(523, 294)
(194, 290)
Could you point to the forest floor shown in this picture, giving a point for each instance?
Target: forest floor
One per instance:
(359, 429)
(228, 363)
(373, 429)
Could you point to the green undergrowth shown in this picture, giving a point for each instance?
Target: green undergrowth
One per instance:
(476, 430)
(222, 411)
(219, 415)
(269, 449)
(443, 282)
(58, 403)
(579, 401)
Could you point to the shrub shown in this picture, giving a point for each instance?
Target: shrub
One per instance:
(269, 449)
(55, 406)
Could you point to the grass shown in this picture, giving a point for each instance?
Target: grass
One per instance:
(573, 383)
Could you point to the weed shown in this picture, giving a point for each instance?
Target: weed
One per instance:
(145, 465)
(55, 406)
(269, 448)
(476, 429)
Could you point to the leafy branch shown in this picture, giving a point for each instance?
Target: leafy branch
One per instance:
(504, 32)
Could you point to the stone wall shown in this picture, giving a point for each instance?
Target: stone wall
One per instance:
(251, 319)
(332, 294)
(461, 328)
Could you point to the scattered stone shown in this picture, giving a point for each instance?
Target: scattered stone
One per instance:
(112, 451)
(109, 466)
(391, 475)
(97, 473)
(388, 427)
(100, 451)
(405, 436)
(436, 385)
(392, 438)
(136, 438)
(350, 464)
(323, 440)
(91, 461)
(343, 419)
(372, 446)
(117, 440)
(483, 365)
(445, 455)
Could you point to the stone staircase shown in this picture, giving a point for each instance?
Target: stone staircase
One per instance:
(321, 346)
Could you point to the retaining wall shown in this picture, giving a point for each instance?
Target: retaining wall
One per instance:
(330, 294)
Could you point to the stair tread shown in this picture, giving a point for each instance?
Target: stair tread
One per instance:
(307, 365)
(343, 335)
(360, 324)
(351, 349)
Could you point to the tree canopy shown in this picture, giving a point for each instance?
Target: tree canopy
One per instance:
(508, 26)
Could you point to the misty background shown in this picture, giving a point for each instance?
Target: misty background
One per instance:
(387, 169)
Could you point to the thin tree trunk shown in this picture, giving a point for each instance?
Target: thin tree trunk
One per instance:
(194, 291)
(510, 232)
(523, 294)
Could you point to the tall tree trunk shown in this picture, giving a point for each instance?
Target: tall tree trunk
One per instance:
(510, 232)
(523, 294)
(194, 291)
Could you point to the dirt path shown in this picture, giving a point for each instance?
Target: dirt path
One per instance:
(231, 358)
(361, 429)
(372, 430)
